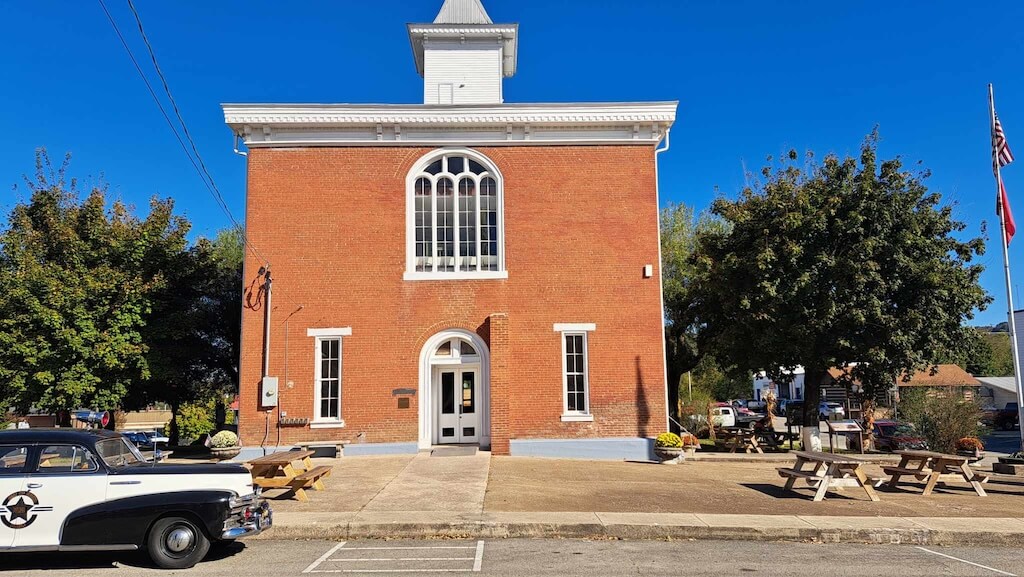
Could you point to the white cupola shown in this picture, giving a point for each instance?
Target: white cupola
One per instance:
(463, 56)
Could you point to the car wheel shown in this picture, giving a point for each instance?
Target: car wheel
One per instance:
(176, 543)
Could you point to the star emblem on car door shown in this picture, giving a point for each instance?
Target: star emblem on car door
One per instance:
(19, 507)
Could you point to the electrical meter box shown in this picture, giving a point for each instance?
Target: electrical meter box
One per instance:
(268, 392)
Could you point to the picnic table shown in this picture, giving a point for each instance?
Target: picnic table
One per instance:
(736, 438)
(279, 471)
(829, 471)
(934, 468)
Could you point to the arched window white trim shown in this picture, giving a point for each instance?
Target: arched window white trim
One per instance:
(454, 217)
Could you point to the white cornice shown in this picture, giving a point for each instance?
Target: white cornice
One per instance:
(352, 114)
(411, 125)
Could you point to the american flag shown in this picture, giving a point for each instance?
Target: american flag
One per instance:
(1000, 149)
(1001, 156)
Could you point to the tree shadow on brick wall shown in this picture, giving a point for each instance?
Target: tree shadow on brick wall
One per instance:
(643, 412)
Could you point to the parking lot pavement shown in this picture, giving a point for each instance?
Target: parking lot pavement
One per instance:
(545, 557)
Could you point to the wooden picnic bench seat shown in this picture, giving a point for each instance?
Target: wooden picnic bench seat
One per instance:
(793, 473)
(311, 478)
(905, 471)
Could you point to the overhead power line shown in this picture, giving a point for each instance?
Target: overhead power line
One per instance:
(193, 156)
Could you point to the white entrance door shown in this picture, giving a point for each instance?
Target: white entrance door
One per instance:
(458, 410)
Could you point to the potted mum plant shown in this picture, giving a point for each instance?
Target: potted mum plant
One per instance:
(224, 445)
(669, 448)
(690, 443)
(970, 447)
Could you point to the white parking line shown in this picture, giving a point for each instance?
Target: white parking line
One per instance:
(323, 558)
(400, 564)
(478, 561)
(994, 570)
(403, 559)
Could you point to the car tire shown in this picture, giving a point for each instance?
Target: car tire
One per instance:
(176, 543)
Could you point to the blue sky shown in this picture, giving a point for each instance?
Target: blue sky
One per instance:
(753, 78)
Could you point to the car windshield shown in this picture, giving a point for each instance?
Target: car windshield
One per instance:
(905, 429)
(118, 453)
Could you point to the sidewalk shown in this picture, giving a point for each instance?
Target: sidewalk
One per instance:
(479, 496)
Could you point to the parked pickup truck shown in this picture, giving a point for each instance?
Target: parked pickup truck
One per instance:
(1007, 418)
(726, 415)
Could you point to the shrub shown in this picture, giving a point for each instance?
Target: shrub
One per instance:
(969, 444)
(689, 440)
(942, 415)
(223, 440)
(670, 440)
(194, 421)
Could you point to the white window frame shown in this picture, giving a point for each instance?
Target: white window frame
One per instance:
(319, 336)
(418, 171)
(576, 329)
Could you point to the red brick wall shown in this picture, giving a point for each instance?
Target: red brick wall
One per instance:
(580, 224)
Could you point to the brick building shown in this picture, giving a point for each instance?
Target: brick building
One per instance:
(459, 271)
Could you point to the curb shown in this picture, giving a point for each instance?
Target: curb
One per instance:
(506, 530)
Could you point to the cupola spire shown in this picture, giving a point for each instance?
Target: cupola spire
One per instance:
(463, 56)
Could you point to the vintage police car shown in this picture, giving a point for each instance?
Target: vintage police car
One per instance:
(91, 490)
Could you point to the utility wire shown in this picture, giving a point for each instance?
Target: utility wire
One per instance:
(199, 167)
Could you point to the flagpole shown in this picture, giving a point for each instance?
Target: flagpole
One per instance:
(1017, 377)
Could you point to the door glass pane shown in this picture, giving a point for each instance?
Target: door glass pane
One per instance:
(12, 459)
(468, 393)
(447, 393)
(448, 432)
(468, 431)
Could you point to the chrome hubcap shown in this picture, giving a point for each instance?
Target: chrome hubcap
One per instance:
(179, 539)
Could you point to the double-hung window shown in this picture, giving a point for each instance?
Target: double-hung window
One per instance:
(328, 377)
(575, 371)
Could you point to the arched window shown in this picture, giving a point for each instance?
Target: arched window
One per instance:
(455, 217)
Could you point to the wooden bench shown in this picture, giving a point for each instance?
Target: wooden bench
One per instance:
(936, 468)
(313, 477)
(793, 473)
(827, 471)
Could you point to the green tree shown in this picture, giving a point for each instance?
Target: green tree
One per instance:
(679, 227)
(193, 330)
(1002, 355)
(838, 262)
(76, 281)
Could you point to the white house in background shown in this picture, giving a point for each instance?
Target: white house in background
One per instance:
(997, 391)
(794, 390)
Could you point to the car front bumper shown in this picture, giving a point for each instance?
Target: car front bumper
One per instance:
(249, 516)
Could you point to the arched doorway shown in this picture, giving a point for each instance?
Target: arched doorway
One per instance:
(455, 376)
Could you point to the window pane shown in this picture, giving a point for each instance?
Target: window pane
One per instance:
(434, 168)
(456, 164)
(445, 225)
(475, 167)
(468, 393)
(575, 372)
(66, 458)
(12, 459)
(466, 349)
(467, 224)
(488, 223)
(424, 226)
(448, 393)
(445, 350)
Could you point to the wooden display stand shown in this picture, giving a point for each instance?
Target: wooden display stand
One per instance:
(846, 427)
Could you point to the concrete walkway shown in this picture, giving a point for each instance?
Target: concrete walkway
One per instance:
(430, 482)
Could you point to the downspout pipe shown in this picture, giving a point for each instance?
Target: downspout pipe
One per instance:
(661, 276)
